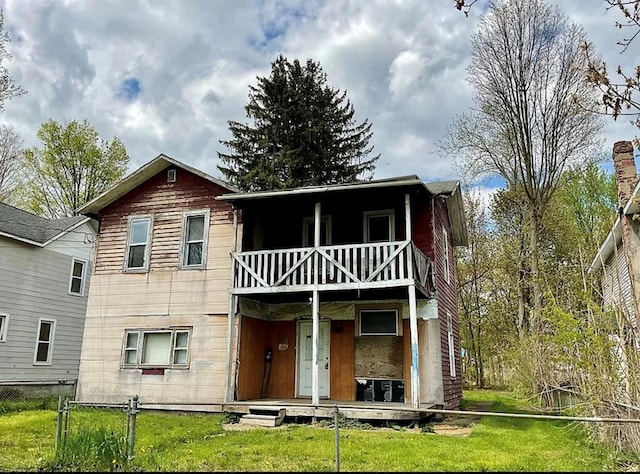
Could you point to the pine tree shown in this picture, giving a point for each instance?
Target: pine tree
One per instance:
(303, 133)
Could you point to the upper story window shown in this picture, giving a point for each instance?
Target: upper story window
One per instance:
(308, 227)
(4, 325)
(44, 341)
(379, 226)
(76, 281)
(445, 255)
(138, 243)
(156, 348)
(194, 242)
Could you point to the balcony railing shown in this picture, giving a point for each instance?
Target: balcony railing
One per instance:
(370, 265)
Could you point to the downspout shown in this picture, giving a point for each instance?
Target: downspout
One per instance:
(315, 388)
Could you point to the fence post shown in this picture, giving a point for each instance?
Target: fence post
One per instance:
(66, 420)
(337, 432)
(59, 424)
(131, 426)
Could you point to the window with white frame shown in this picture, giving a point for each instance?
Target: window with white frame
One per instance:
(378, 322)
(451, 342)
(194, 242)
(138, 243)
(76, 281)
(445, 254)
(44, 341)
(308, 231)
(156, 348)
(379, 226)
(4, 326)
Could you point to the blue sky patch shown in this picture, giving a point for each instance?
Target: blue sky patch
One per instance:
(129, 89)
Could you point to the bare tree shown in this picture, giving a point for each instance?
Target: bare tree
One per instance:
(528, 68)
(8, 87)
(11, 155)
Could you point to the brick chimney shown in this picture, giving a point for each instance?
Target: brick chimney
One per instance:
(625, 168)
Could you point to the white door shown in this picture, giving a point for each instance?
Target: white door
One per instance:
(305, 358)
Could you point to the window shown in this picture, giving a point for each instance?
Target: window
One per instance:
(156, 348)
(379, 226)
(452, 350)
(308, 227)
(138, 241)
(194, 243)
(378, 322)
(76, 282)
(44, 341)
(4, 324)
(445, 255)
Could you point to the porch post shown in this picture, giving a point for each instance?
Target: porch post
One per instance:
(229, 389)
(413, 312)
(315, 388)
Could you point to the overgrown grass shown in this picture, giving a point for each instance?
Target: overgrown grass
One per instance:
(198, 442)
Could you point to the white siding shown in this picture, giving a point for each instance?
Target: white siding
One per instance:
(34, 283)
(616, 284)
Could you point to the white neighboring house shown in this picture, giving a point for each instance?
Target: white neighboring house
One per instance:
(45, 265)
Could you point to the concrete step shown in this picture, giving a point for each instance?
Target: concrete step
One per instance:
(264, 416)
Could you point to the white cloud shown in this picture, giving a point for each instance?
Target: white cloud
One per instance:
(401, 62)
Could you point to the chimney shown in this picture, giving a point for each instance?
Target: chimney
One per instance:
(625, 168)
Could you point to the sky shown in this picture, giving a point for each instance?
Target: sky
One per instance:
(166, 76)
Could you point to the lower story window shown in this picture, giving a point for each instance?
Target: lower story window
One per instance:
(156, 348)
(378, 322)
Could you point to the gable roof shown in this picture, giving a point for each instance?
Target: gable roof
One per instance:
(35, 230)
(138, 177)
(449, 189)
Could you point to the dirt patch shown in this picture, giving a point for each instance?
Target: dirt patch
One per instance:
(461, 425)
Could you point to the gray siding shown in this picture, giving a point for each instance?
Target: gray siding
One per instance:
(34, 284)
(616, 284)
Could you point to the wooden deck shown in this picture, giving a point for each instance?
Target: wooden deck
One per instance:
(350, 409)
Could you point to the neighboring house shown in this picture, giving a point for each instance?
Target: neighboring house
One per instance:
(203, 295)
(618, 258)
(45, 266)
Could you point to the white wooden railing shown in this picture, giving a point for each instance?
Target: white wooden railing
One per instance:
(341, 266)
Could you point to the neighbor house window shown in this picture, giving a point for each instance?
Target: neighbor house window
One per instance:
(445, 255)
(4, 325)
(76, 283)
(156, 348)
(44, 341)
(308, 227)
(378, 322)
(138, 243)
(379, 226)
(452, 350)
(194, 241)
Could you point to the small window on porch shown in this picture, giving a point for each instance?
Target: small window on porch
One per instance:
(379, 226)
(378, 322)
(308, 228)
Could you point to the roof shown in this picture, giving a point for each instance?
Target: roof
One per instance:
(142, 174)
(615, 234)
(448, 189)
(27, 227)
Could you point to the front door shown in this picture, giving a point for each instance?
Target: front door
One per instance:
(305, 359)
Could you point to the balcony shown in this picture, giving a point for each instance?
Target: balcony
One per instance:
(332, 267)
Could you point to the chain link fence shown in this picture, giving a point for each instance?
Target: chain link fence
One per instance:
(15, 396)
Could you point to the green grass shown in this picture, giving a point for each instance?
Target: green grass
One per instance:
(198, 442)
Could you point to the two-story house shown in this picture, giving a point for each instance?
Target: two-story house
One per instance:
(45, 266)
(204, 296)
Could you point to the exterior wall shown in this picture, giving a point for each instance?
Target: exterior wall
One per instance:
(164, 297)
(447, 303)
(616, 283)
(34, 284)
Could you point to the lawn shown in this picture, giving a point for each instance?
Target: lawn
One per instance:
(200, 442)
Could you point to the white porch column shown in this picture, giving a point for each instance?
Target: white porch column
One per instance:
(229, 389)
(315, 388)
(413, 312)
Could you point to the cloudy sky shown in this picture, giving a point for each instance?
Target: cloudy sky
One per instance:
(166, 75)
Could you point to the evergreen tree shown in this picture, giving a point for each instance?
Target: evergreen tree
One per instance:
(303, 133)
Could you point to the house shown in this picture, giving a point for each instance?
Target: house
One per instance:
(45, 266)
(204, 296)
(618, 259)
